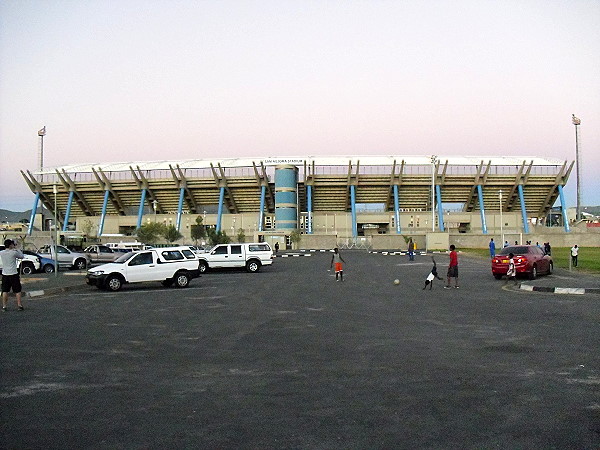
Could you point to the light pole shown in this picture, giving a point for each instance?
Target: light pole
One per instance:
(501, 220)
(55, 191)
(41, 134)
(154, 204)
(577, 122)
(433, 161)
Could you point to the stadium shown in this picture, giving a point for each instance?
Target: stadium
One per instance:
(369, 201)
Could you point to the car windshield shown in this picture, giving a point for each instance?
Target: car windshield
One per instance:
(515, 250)
(126, 257)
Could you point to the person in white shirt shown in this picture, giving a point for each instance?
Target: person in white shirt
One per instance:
(511, 273)
(574, 252)
(10, 273)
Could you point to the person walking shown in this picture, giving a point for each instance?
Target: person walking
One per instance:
(337, 259)
(492, 248)
(452, 268)
(276, 247)
(10, 273)
(411, 250)
(511, 273)
(574, 253)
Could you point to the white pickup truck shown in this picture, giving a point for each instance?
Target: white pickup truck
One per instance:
(251, 256)
(169, 265)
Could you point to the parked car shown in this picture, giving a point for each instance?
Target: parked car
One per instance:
(101, 254)
(47, 265)
(30, 264)
(530, 260)
(65, 257)
(169, 265)
(252, 256)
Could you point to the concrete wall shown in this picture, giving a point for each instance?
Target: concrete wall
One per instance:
(318, 241)
(333, 228)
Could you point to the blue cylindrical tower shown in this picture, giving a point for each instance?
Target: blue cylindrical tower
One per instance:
(286, 197)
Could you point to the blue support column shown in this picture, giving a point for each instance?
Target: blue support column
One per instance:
(523, 209)
(309, 207)
(563, 208)
(141, 209)
(438, 192)
(103, 216)
(261, 213)
(482, 209)
(69, 203)
(353, 208)
(397, 210)
(180, 208)
(33, 213)
(220, 211)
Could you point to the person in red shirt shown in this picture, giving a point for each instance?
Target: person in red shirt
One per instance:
(452, 268)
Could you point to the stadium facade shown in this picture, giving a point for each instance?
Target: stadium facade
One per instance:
(350, 197)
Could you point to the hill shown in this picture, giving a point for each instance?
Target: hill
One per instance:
(12, 216)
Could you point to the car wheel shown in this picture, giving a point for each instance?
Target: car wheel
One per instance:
(550, 268)
(80, 264)
(252, 266)
(48, 268)
(167, 283)
(202, 267)
(182, 280)
(27, 268)
(497, 276)
(533, 273)
(114, 283)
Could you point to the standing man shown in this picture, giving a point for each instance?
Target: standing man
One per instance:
(411, 250)
(337, 259)
(276, 247)
(452, 268)
(492, 248)
(10, 273)
(574, 253)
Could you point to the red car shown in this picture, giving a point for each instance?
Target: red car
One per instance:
(530, 260)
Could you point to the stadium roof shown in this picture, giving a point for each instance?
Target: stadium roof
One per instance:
(301, 160)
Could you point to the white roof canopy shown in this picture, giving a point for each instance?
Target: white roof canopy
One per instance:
(300, 160)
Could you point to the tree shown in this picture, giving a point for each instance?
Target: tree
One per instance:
(172, 234)
(149, 232)
(198, 231)
(218, 237)
(87, 228)
(241, 236)
(295, 237)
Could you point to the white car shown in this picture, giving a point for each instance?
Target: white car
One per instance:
(169, 265)
(28, 265)
(252, 256)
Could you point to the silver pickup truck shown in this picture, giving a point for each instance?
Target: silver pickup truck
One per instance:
(101, 254)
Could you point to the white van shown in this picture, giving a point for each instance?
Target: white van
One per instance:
(251, 256)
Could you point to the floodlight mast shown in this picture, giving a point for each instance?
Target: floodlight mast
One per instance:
(41, 134)
(577, 122)
(433, 170)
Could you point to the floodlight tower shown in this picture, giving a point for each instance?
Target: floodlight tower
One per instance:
(41, 134)
(434, 159)
(577, 122)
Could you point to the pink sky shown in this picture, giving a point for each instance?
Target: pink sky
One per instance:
(134, 81)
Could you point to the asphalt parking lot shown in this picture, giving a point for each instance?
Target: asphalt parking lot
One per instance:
(288, 358)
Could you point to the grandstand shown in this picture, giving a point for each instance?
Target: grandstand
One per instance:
(347, 195)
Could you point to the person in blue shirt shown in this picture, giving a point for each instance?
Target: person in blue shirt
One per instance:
(492, 248)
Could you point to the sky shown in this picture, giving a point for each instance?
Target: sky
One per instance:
(128, 80)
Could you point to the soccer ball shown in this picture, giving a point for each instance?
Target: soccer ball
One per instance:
(396, 281)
